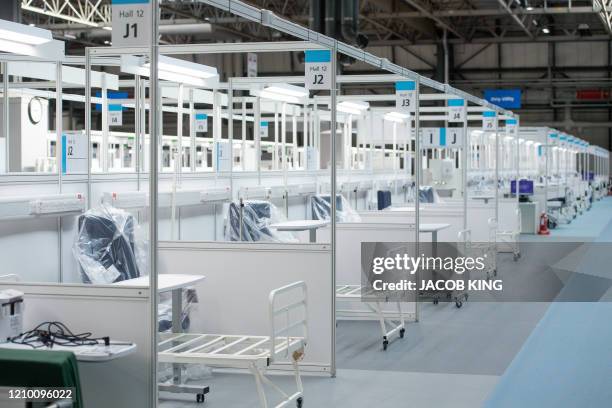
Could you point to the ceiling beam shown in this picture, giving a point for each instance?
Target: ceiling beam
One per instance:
(488, 12)
(605, 14)
(428, 13)
(507, 40)
(515, 17)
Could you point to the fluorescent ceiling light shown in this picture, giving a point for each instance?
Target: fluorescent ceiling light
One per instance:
(529, 8)
(284, 93)
(23, 34)
(396, 117)
(172, 69)
(353, 107)
(182, 67)
(546, 30)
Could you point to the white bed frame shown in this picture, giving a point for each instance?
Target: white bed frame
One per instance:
(389, 327)
(254, 353)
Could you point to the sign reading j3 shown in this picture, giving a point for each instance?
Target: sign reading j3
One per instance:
(318, 71)
(405, 96)
(131, 23)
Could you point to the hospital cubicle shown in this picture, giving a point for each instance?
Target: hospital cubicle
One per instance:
(259, 181)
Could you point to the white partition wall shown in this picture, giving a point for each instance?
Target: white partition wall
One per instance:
(234, 299)
(118, 312)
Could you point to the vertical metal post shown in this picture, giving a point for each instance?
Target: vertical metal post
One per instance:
(87, 123)
(104, 150)
(58, 144)
(294, 142)
(179, 134)
(464, 165)
(257, 137)
(275, 153)
(192, 135)
(497, 171)
(137, 129)
(332, 200)
(216, 131)
(547, 150)
(244, 131)
(153, 190)
(143, 122)
(283, 139)
(417, 175)
(230, 131)
(6, 117)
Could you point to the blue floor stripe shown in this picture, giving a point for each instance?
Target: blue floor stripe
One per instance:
(567, 361)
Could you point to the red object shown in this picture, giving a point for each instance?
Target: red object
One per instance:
(592, 94)
(543, 230)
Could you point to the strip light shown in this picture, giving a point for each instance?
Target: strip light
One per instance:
(396, 117)
(23, 34)
(182, 67)
(284, 93)
(172, 69)
(353, 107)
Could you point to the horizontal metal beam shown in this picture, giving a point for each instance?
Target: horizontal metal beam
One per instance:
(503, 40)
(429, 14)
(485, 12)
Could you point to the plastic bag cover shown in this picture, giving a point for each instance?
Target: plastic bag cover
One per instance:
(427, 194)
(164, 310)
(257, 216)
(321, 209)
(105, 246)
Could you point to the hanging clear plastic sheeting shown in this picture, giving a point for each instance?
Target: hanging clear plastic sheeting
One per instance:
(250, 220)
(321, 209)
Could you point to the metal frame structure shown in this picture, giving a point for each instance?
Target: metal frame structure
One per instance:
(254, 353)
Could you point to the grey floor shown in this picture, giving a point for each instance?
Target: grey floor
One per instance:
(451, 358)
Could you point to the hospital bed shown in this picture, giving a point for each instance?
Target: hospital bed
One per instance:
(288, 336)
(389, 327)
(321, 209)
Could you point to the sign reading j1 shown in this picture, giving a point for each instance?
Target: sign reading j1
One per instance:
(405, 96)
(318, 69)
(456, 110)
(131, 23)
(504, 98)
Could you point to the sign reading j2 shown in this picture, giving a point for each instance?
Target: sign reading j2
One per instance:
(504, 98)
(317, 73)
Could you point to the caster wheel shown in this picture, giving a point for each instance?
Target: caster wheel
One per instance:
(402, 331)
(299, 402)
(458, 304)
(200, 398)
(385, 344)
